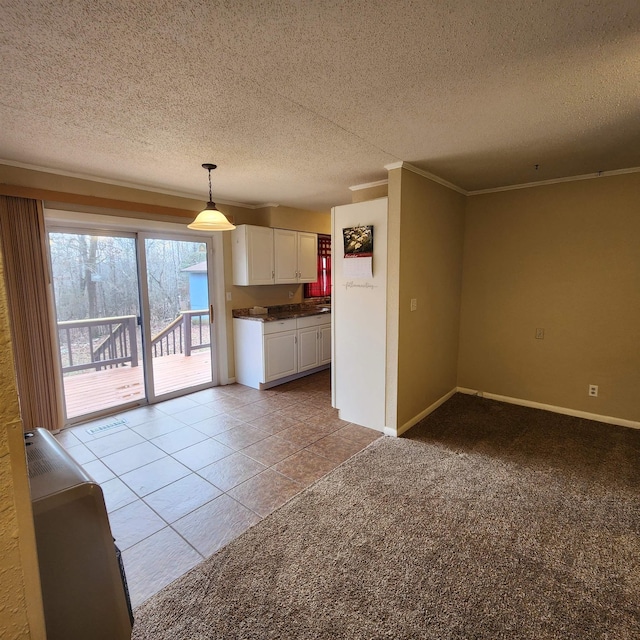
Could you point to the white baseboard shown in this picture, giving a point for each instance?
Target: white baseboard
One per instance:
(423, 414)
(622, 422)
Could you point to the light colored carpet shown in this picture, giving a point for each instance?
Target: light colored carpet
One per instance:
(490, 521)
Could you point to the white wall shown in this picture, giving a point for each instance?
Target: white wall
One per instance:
(359, 318)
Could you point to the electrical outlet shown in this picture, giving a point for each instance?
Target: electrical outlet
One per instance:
(414, 304)
(593, 390)
(290, 295)
(228, 296)
(539, 334)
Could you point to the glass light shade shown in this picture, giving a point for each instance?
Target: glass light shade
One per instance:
(210, 219)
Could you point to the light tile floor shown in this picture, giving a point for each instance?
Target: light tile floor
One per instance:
(184, 477)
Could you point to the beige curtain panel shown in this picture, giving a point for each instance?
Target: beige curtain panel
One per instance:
(27, 282)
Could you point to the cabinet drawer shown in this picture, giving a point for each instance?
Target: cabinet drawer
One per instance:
(314, 321)
(279, 325)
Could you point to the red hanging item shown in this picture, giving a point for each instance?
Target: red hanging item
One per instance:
(322, 286)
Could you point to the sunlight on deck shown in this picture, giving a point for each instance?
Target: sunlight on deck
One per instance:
(98, 390)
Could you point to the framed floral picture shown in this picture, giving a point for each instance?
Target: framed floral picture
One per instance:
(358, 241)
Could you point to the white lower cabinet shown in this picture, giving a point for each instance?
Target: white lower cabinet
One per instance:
(314, 342)
(280, 355)
(266, 352)
(308, 348)
(325, 344)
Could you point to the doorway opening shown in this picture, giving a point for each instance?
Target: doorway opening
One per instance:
(134, 321)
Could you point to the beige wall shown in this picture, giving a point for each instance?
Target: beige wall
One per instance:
(371, 193)
(565, 258)
(21, 615)
(300, 219)
(258, 217)
(53, 182)
(280, 217)
(430, 269)
(393, 295)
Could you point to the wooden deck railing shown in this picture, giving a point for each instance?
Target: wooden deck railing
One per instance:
(116, 343)
(101, 343)
(178, 336)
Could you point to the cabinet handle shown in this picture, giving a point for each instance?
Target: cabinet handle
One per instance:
(273, 274)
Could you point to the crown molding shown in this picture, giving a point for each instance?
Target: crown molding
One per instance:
(369, 185)
(128, 185)
(542, 183)
(426, 174)
(526, 185)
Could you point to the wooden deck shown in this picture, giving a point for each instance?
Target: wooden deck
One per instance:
(98, 390)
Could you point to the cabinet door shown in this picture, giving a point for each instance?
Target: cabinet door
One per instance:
(286, 258)
(308, 339)
(307, 257)
(325, 344)
(280, 355)
(260, 255)
(252, 255)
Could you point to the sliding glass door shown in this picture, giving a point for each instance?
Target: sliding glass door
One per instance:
(97, 300)
(177, 302)
(133, 318)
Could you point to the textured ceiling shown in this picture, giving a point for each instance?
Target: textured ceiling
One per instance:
(296, 101)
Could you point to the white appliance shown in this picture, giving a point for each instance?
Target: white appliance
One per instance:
(83, 583)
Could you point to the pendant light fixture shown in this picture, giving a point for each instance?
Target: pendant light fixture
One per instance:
(210, 219)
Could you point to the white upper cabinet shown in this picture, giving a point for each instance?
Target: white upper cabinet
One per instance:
(307, 256)
(262, 255)
(296, 256)
(285, 244)
(253, 257)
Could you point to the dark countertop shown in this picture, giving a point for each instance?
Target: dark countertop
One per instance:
(285, 311)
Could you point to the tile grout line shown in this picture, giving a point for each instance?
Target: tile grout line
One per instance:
(318, 396)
